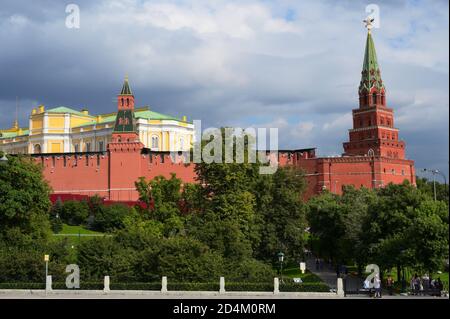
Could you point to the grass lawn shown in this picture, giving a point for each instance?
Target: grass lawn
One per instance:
(69, 234)
(295, 272)
(68, 230)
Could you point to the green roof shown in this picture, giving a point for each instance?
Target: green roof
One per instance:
(64, 109)
(142, 114)
(370, 75)
(151, 115)
(13, 134)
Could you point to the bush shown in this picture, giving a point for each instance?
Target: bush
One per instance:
(84, 285)
(135, 286)
(74, 213)
(304, 287)
(193, 286)
(108, 218)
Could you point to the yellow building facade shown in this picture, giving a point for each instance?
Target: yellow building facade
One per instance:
(65, 130)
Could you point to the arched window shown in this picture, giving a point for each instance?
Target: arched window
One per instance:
(155, 142)
(37, 149)
(366, 100)
(374, 98)
(383, 100)
(128, 102)
(122, 101)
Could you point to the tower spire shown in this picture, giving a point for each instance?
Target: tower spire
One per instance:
(371, 74)
(126, 87)
(125, 120)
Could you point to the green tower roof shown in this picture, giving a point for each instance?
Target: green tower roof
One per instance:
(126, 88)
(370, 75)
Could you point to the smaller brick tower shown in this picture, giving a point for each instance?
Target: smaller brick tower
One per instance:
(373, 132)
(124, 149)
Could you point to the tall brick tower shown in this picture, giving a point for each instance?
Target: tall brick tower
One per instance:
(124, 149)
(373, 132)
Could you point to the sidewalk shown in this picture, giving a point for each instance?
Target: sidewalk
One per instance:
(328, 276)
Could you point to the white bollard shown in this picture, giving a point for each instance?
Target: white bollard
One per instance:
(164, 284)
(340, 288)
(222, 285)
(48, 283)
(106, 284)
(276, 286)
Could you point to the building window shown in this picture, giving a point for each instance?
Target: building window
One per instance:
(53, 161)
(76, 148)
(374, 98)
(383, 100)
(403, 172)
(155, 142)
(37, 149)
(388, 122)
(65, 161)
(393, 171)
(88, 147)
(100, 146)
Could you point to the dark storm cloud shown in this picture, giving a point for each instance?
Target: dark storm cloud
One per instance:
(290, 64)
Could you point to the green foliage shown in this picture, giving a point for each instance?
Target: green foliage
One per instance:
(394, 226)
(282, 214)
(108, 218)
(24, 197)
(74, 212)
(427, 187)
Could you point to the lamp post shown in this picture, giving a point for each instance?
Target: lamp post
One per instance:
(46, 259)
(280, 259)
(434, 172)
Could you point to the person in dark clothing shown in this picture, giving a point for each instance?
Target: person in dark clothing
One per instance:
(439, 286)
(390, 284)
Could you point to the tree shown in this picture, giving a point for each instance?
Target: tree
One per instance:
(24, 198)
(75, 212)
(108, 218)
(283, 221)
(387, 223)
(325, 216)
(426, 186)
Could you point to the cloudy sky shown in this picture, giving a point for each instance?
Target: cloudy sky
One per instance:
(293, 64)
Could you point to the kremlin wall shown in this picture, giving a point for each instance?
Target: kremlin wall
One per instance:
(373, 157)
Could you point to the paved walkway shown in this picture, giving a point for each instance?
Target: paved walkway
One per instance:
(328, 276)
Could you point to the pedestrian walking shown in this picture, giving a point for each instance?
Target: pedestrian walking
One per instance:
(390, 284)
(377, 286)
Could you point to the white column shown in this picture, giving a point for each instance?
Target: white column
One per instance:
(106, 284)
(276, 286)
(164, 284)
(48, 283)
(45, 124)
(340, 287)
(222, 285)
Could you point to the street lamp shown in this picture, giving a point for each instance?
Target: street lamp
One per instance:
(434, 172)
(280, 259)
